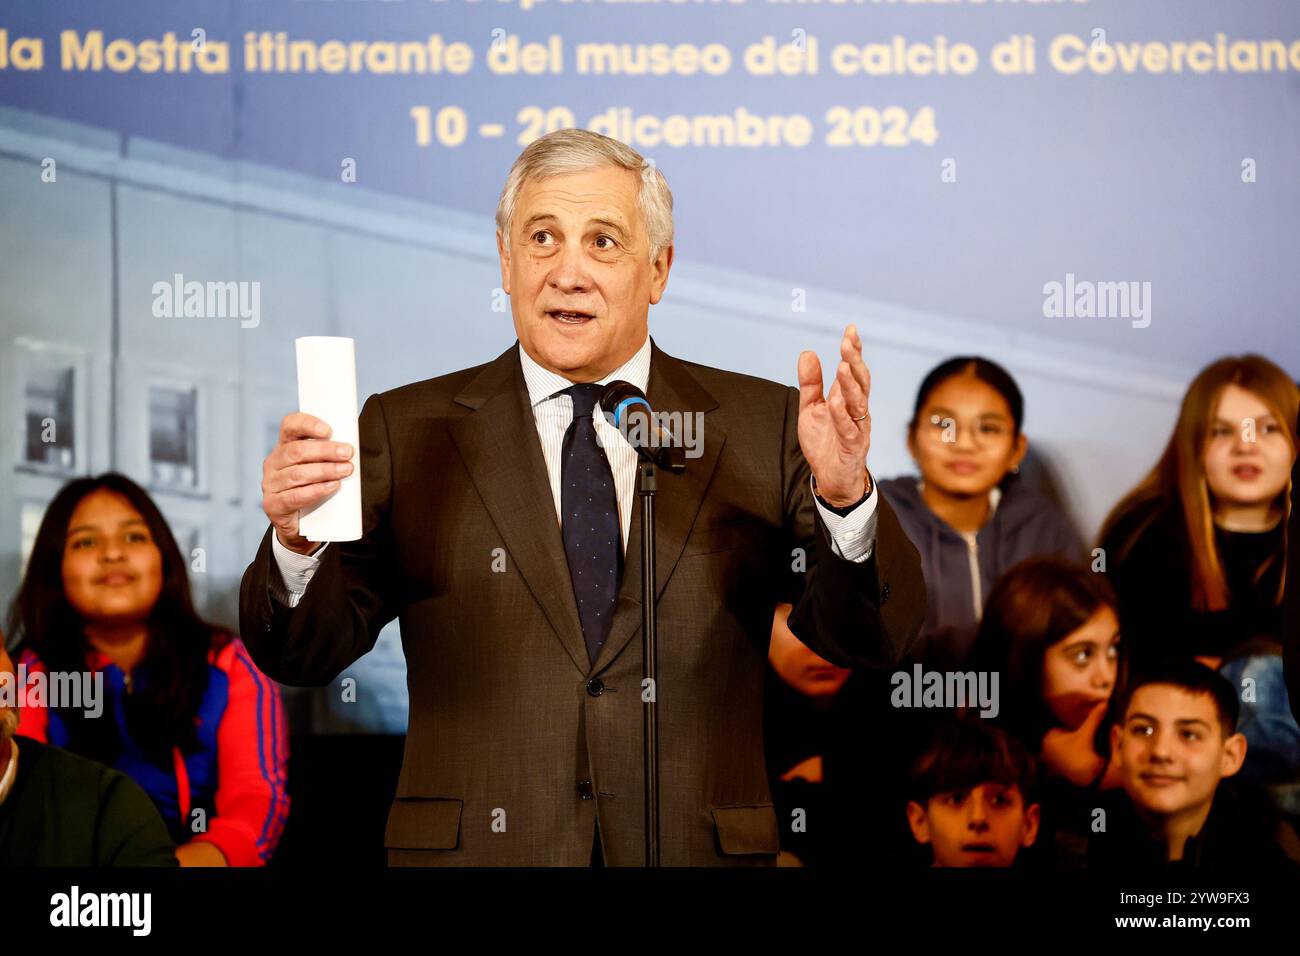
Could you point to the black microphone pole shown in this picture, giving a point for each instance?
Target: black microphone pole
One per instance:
(620, 400)
(646, 488)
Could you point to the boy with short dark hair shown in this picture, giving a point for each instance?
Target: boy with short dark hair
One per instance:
(1175, 740)
(971, 796)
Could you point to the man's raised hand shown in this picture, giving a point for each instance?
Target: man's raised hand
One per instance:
(835, 429)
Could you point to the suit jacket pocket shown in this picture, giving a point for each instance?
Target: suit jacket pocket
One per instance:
(424, 823)
(747, 829)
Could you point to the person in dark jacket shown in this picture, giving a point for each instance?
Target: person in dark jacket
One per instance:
(968, 514)
(1176, 743)
(58, 809)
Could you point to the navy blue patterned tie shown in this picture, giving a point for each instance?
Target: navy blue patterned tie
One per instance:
(593, 537)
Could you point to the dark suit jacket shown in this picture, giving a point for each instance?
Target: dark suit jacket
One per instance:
(517, 744)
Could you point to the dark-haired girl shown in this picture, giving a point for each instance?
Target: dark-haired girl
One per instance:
(186, 713)
(967, 513)
(1052, 632)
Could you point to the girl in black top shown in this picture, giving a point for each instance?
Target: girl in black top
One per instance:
(1196, 551)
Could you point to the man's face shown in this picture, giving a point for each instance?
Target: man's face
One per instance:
(1172, 751)
(983, 826)
(578, 271)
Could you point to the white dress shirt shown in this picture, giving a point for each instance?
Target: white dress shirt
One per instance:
(853, 535)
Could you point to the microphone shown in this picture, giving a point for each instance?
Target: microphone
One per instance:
(627, 409)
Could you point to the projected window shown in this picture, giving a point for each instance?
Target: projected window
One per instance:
(49, 412)
(173, 436)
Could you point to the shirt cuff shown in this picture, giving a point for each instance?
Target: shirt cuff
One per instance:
(853, 536)
(295, 572)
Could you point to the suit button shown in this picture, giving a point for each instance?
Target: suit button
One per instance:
(884, 594)
(595, 687)
(584, 790)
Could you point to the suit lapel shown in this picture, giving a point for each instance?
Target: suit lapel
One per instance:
(510, 475)
(671, 388)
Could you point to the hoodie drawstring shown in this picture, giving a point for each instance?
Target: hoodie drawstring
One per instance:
(973, 556)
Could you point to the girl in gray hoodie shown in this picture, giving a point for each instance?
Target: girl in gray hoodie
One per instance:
(969, 513)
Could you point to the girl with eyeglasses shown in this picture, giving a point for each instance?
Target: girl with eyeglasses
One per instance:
(968, 513)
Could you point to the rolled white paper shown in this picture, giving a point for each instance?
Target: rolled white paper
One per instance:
(327, 388)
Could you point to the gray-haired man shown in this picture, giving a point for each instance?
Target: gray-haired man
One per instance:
(497, 512)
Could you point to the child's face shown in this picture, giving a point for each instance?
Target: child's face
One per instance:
(1079, 670)
(965, 440)
(112, 569)
(984, 826)
(1172, 750)
(1247, 455)
(798, 666)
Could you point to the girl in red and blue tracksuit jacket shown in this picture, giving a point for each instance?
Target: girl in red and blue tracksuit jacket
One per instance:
(236, 777)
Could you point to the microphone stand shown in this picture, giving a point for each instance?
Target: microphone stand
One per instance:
(673, 459)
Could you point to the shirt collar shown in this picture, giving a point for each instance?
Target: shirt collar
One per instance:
(11, 770)
(543, 383)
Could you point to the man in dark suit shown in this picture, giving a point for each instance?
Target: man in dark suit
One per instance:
(497, 508)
